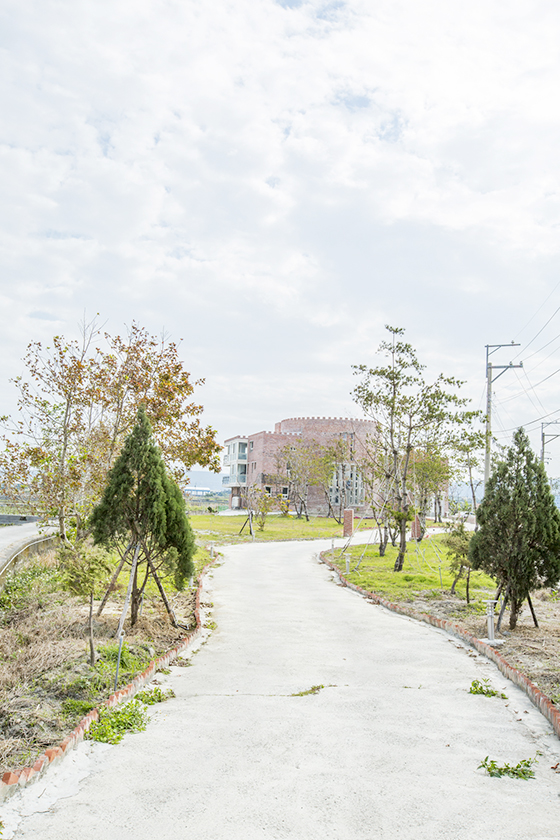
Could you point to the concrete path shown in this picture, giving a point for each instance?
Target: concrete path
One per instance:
(14, 537)
(388, 748)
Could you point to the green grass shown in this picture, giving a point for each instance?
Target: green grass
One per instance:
(420, 574)
(154, 694)
(113, 723)
(36, 579)
(209, 528)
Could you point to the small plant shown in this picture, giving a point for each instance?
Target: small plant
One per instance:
(76, 708)
(154, 695)
(315, 689)
(20, 585)
(478, 687)
(113, 723)
(522, 770)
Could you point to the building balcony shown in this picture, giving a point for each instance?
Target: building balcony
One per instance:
(234, 480)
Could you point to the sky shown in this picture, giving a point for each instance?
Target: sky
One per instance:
(273, 181)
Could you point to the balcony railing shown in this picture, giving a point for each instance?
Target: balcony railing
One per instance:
(234, 480)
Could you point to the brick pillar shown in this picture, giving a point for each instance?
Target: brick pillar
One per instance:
(348, 523)
(416, 528)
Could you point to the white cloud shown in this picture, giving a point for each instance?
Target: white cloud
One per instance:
(281, 175)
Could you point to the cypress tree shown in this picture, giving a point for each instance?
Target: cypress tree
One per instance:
(518, 542)
(142, 514)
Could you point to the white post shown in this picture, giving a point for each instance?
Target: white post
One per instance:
(490, 606)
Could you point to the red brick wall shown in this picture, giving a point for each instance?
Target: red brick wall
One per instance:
(261, 458)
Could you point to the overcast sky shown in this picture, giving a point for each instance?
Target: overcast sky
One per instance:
(272, 182)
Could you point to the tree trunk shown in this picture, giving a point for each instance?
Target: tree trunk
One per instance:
(129, 590)
(383, 541)
(92, 653)
(135, 600)
(498, 625)
(168, 606)
(455, 582)
(514, 613)
(399, 562)
(468, 583)
(138, 595)
(113, 581)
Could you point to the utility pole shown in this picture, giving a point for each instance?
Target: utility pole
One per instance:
(490, 379)
(544, 436)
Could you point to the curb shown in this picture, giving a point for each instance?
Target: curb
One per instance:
(12, 781)
(545, 706)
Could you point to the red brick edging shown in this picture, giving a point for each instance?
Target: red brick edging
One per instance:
(13, 781)
(540, 700)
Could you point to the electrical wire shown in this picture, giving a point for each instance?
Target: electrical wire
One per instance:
(543, 408)
(521, 393)
(537, 312)
(534, 353)
(532, 422)
(556, 311)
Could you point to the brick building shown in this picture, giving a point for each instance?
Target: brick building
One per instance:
(259, 460)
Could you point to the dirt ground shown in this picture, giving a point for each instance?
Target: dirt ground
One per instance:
(533, 651)
(46, 682)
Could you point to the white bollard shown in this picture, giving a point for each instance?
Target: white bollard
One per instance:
(347, 563)
(490, 605)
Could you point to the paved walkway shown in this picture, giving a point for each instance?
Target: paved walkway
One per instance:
(14, 537)
(388, 748)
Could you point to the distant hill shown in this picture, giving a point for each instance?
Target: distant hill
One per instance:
(201, 478)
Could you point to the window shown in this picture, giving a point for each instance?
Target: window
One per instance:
(285, 492)
(253, 466)
(268, 490)
(251, 444)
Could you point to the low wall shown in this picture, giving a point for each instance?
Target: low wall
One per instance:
(24, 552)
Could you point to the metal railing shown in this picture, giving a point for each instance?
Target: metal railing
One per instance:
(233, 480)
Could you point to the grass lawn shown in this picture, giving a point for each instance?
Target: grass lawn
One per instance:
(212, 528)
(420, 576)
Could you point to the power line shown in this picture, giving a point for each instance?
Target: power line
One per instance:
(532, 422)
(556, 311)
(536, 313)
(532, 387)
(521, 393)
(542, 348)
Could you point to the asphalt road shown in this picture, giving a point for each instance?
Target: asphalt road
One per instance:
(389, 748)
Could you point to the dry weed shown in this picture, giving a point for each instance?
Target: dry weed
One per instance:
(37, 658)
